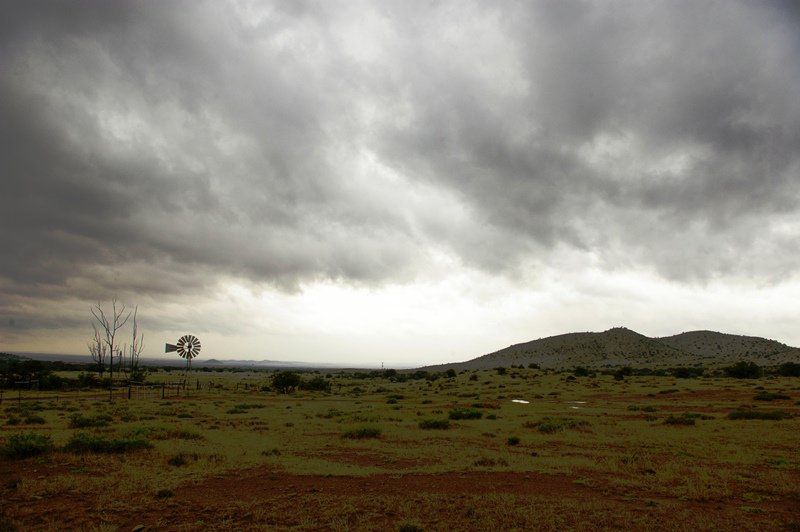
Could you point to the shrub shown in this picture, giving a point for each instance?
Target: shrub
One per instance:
(435, 424)
(513, 440)
(774, 415)
(687, 373)
(362, 433)
(500, 370)
(473, 377)
(789, 369)
(80, 421)
(26, 445)
(533, 365)
(181, 459)
(286, 381)
(580, 371)
(767, 396)
(744, 370)
(164, 494)
(623, 372)
(450, 373)
(87, 443)
(33, 419)
(465, 413)
(679, 420)
(317, 384)
(549, 425)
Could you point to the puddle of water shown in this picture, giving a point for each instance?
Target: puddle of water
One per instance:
(577, 402)
(520, 401)
(575, 407)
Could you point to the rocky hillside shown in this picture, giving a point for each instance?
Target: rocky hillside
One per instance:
(711, 344)
(624, 347)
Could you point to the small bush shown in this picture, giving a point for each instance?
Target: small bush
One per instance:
(317, 384)
(767, 396)
(465, 413)
(362, 433)
(549, 425)
(26, 445)
(33, 419)
(86, 443)
(580, 371)
(164, 494)
(434, 424)
(789, 369)
(774, 415)
(513, 440)
(80, 421)
(744, 370)
(679, 420)
(181, 459)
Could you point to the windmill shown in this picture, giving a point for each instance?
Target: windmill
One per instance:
(188, 347)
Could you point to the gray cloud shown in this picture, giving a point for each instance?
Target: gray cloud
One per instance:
(154, 148)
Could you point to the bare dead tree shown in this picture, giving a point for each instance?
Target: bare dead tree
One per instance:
(98, 350)
(136, 348)
(109, 325)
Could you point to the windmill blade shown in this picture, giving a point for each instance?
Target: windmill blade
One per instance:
(169, 348)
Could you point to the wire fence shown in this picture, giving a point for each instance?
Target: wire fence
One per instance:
(131, 391)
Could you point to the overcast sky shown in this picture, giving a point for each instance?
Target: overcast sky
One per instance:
(401, 182)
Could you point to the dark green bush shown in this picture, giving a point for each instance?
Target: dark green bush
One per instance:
(513, 440)
(436, 424)
(580, 371)
(687, 373)
(80, 421)
(767, 396)
(86, 443)
(181, 459)
(679, 420)
(26, 445)
(362, 433)
(465, 413)
(286, 381)
(317, 384)
(789, 369)
(549, 425)
(744, 370)
(774, 415)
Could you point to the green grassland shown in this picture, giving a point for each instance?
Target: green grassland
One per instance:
(639, 452)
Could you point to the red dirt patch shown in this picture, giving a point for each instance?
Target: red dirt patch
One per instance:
(367, 459)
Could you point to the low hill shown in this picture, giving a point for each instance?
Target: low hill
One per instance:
(623, 347)
(712, 344)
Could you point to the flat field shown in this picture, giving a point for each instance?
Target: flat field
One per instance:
(450, 454)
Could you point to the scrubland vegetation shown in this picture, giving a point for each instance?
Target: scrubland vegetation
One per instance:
(684, 448)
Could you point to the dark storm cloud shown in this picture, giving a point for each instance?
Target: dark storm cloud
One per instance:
(154, 147)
